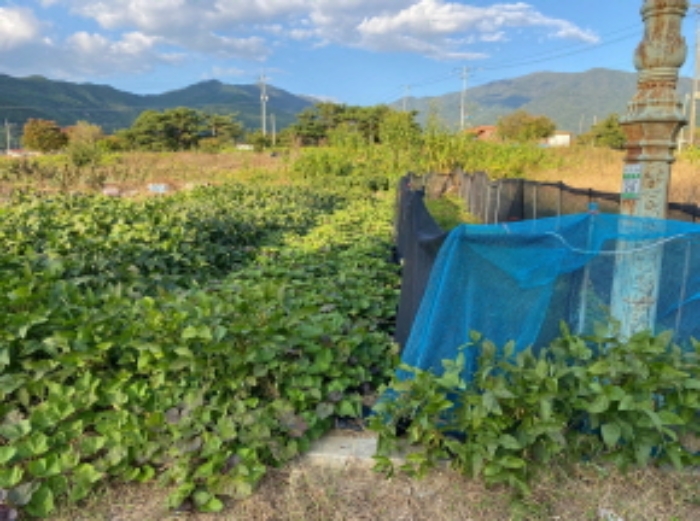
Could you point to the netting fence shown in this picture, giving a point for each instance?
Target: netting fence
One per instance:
(506, 200)
(420, 241)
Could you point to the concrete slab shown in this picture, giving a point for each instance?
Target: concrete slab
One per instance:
(342, 448)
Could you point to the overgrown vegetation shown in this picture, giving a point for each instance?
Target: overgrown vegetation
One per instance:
(607, 133)
(601, 399)
(199, 338)
(523, 127)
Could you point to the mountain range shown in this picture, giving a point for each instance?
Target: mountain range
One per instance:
(573, 100)
(112, 109)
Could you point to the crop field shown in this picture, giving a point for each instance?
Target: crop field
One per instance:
(201, 337)
(601, 169)
(169, 357)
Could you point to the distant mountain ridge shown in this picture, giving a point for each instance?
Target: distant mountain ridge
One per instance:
(573, 100)
(66, 103)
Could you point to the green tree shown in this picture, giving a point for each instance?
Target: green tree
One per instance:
(43, 136)
(223, 127)
(523, 127)
(314, 123)
(605, 133)
(259, 140)
(171, 130)
(399, 132)
(84, 146)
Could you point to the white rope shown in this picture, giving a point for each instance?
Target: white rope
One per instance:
(625, 251)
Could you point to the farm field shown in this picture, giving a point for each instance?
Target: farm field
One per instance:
(138, 303)
(600, 169)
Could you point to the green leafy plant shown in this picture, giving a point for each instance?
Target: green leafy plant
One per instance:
(630, 403)
(196, 339)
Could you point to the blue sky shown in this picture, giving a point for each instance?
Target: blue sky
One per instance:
(351, 51)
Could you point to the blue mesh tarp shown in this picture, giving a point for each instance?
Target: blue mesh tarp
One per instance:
(519, 281)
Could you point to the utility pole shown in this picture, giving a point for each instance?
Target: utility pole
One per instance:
(8, 137)
(653, 120)
(263, 103)
(462, 100)
(273, 122)
(407, 93)
(696, 79)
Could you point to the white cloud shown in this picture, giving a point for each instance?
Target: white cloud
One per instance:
(433, 22)
(94, 54)
(17, 27)
(227, 72)
(372, 24)
(137, 35)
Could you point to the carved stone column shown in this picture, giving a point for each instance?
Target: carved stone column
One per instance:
(652, 123)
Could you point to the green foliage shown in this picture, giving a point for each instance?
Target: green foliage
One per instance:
(449, 211)
(690, 154)
(173, 129)
(630, 403)
(259, 140)
(84, 144)
(223, 127)
(315, 124)
(400, 134)
(198, 338)
(607, 133)
(523, 127)
(43, 136)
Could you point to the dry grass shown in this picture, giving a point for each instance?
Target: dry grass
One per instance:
(601, 169)
(302, 492)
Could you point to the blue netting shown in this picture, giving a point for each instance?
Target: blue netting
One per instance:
(518, 281)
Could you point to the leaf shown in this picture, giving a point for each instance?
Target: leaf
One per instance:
(89, 445)
(10, 476)
(42, 502)
(611, 434)
(692, 383)
(627, 403)
(324, 410)
(511, 462)
(86, 474)
(22, 494)
(671, 418)
(509, 442)
(15, 430)
(602, 367)
(36, 444)
(7, 453)
(213, 505)
(599, 405)
(348, 408)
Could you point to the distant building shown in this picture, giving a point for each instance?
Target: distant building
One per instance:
(19, 153)
(483, 132)
(560, 138)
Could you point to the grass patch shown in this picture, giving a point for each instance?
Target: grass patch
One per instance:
(449, 211)
(303, 492)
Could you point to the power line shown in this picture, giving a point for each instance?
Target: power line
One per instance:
(564, 52)
(625, 33)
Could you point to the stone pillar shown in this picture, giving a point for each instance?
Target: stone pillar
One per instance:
(652, 123)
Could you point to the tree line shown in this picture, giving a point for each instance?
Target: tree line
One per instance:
(183, 128)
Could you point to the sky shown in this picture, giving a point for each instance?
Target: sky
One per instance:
(358, 52)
